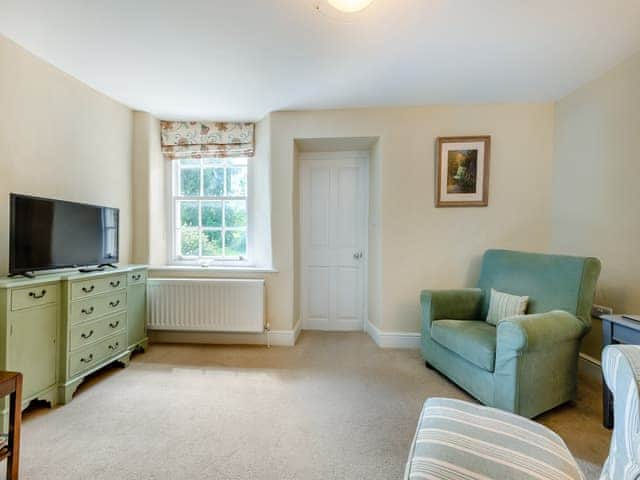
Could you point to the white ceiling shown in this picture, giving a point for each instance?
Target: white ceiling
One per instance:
(240, 59)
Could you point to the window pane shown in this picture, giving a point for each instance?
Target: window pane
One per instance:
(237, 161)
(190, 182)
(212, 214)
(190, 242)
(235, 213)
(211, 243)
(236, 181)
(213, 162)
(189, 214)
(190, 162)
(235, 243)
(214, 182)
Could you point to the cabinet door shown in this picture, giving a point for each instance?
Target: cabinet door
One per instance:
(32, 347)
(136, 313)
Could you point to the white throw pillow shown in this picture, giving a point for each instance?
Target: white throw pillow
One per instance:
(502, 305)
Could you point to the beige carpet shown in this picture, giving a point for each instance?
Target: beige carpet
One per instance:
(333, 407)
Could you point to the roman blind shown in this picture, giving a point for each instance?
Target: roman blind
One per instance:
(207, 139)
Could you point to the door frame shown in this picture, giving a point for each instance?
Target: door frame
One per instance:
(340, 155)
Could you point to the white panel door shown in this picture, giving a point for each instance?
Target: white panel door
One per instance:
(334, 203)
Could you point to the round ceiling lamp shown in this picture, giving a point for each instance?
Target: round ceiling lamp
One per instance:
(350, 6)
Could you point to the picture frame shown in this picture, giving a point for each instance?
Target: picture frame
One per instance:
(462, 171)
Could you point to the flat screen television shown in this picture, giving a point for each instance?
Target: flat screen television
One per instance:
(47, 234)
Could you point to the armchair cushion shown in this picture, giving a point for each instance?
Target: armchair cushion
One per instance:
(473, 340)
(503, 305)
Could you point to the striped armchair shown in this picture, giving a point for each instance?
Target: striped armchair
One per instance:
(461, 440)
(621, 367)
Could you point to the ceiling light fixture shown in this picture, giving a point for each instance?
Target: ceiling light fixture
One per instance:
(350, 6)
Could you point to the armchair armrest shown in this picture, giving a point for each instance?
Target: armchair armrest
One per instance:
(463, 304)
(621, 362)
(538, 331)
(621, 368)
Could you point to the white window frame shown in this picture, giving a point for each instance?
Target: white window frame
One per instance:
(172, 201)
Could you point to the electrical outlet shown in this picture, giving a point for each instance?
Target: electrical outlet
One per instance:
(599, 310)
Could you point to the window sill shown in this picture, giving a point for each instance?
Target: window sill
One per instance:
(212, 270)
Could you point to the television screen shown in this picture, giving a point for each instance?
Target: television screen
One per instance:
(48, 234)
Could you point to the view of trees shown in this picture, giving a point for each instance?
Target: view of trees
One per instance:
(218, 227)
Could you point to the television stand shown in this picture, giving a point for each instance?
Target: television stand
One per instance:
(91, 270)
(111, 265)
(23, 274)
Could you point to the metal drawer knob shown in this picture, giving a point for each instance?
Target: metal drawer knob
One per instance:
(114, 346)
(115, 284)
(35, 296)
(114, 304)
(88, 290)
(87, 335)
(88, 311)
(88, 359)
(114, 325)
(135, 278)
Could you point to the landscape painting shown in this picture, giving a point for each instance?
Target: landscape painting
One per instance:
(462, 177)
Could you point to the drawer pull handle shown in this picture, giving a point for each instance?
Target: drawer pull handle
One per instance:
(115, 284)
(136, 277)
(114, 346)
(87, 335)
(114, 325)
(114, 304)
(35, 296)
(88, 290)
(88, 359)
(88, 311)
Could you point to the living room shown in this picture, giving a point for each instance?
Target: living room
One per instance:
(313, 218)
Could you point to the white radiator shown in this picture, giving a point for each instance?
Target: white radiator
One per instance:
(206, 305)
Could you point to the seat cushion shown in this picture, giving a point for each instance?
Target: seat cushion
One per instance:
(473, 340)
(462, 440)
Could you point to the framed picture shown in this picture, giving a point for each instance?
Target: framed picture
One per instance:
(462, 176)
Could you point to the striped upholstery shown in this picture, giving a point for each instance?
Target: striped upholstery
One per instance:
(457, 440)
(621, 368)
(504, 305)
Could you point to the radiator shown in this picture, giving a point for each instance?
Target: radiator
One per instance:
(206, 305)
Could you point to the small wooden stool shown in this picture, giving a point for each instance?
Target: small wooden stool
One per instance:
(11, 384)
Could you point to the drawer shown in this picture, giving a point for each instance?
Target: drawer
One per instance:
(96, 286)
(139, 276)
(34, 296)
(91, 332)
(625, 335)
(93, 355)
(94, 307)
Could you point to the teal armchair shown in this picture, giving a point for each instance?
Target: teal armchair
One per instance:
(528, 364)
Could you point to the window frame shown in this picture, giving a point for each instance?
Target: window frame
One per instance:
(173, 228)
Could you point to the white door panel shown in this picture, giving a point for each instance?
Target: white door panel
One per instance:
(334, 205)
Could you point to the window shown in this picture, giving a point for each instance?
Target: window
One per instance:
(210, 220)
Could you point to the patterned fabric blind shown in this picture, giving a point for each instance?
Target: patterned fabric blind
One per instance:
(207, 139)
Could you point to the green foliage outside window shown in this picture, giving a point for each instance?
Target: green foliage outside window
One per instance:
(212, 228)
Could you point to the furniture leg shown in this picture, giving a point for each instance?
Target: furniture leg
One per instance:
(15, 421)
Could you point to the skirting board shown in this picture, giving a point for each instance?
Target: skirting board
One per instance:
(393, 339)
(278, 338)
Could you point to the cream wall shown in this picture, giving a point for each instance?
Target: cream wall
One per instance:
(59, 138)
(596, 190)
(421, 246)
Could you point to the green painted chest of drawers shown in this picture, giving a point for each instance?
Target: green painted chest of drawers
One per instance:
(57, 329)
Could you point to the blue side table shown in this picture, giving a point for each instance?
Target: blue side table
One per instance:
(616, 329)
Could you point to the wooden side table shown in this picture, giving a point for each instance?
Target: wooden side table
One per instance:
(616, 329)
(11, 384)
